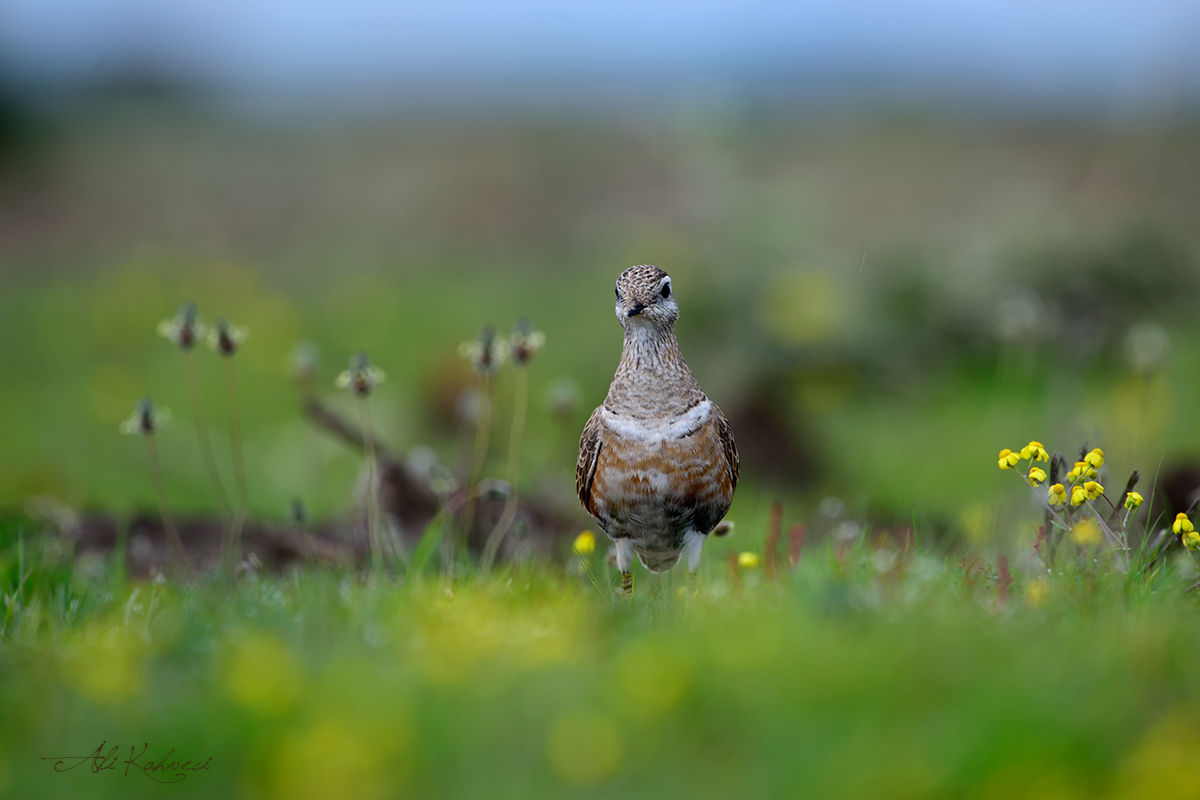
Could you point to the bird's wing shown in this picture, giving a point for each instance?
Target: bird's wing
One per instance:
(589, 452)
(715, 492)
(728, 447)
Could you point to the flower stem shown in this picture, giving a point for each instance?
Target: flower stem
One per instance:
(210, 463)
(164, 510)
(373, 541)
(309, 546)
(483, 430)
(239, 466)
(483, 434)
(1117, 540)
(520, 403)
(587, 569)
(1116, 514)
(235, 432)
(1047, 506)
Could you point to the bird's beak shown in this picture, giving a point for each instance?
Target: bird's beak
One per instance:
(637, 309)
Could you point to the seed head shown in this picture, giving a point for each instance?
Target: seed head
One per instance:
(1146, 346)
(1133, 500)
(1182, 525)
(1093, 489)
(1095, 458)
(1036, 476)
(524, 343)
(361, 377)
(486, 353)
(1078, 495)
(184, 329)
(1008, 459)
(1020, 316)
(562, 398)
(304, 363)
(225, 338)
(145, 419)
(442, 480)
(298, 513)
(1058, 495)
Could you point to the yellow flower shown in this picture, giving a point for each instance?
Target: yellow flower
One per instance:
(106, 663)
(584, 748)
(261, 673)
(1082, 469)
(331, 753)
(1191, 540)
(1036, 476)
(585, 543)
(1008, 458)
(1058, 495)
(1093, 489)
(748, 560)
(1078, 495)
(1182, 524)
(1086, 532)
(1036, 591)
(1035, 451)
(1095, 458)
(1132, 501)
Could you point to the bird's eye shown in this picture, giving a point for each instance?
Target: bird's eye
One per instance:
(666, 290)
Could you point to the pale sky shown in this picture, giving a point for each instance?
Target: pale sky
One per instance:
(1024, 47)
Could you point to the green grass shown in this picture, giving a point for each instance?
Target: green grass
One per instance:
(860, 673)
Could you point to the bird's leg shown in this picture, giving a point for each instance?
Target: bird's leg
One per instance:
(625, 564)
(693, 542)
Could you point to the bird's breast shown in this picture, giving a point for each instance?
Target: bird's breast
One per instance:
(645, 465)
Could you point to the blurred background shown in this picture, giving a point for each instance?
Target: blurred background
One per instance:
(903, 235)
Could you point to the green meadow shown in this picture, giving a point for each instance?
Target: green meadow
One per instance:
(879, 304)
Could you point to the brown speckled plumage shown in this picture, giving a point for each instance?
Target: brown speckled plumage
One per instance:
(657, 462)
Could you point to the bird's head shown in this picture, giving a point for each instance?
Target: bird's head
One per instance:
(645, 298)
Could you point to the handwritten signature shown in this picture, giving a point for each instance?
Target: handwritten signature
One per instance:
(163, 771)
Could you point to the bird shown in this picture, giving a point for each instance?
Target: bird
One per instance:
(657, 465)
